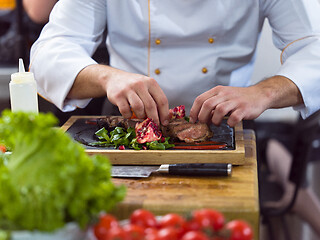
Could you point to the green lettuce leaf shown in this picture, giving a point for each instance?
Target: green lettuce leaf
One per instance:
(49, 180)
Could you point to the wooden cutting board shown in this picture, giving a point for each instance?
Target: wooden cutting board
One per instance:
(79, 127)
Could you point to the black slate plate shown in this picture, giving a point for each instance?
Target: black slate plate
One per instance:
(83, 129)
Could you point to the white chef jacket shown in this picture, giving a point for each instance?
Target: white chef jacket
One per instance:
(187, 46)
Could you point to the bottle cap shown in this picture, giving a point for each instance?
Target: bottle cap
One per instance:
(22, 76)
(21, 66)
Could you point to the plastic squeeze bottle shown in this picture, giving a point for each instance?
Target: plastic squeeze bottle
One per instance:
(23, 91)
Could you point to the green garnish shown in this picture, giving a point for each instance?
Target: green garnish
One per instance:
(156, 145)
(127, 137)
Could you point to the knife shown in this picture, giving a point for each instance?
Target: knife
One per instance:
(189, 169)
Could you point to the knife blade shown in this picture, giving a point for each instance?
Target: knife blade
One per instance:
(189, 169)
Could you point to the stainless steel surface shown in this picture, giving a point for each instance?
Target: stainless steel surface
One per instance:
(132, 171)
(229, 169)
(164, 168)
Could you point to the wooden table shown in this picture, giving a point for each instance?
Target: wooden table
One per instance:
(236, 196)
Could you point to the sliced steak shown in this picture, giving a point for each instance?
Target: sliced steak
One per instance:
(182, 130)
(168, 131)
(197, 132)
(110, 122)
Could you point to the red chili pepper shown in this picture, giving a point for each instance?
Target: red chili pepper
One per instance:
(200, 147)
(199, 143)
(91, 122)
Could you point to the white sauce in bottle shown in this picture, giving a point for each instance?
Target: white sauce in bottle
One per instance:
(23, 91)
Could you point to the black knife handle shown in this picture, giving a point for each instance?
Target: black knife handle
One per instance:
(201, 169)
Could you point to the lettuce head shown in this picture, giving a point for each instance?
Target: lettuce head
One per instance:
(49, 180)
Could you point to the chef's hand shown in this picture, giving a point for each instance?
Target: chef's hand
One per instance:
(215, 104)
(128, 91)
(244, 103)
(140, 93)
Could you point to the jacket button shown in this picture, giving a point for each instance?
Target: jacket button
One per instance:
(211, 40)
(157, 71)
(204, 70)
(157, 41)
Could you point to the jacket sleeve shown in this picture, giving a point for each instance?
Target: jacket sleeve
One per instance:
(296, 31)
(65, 47)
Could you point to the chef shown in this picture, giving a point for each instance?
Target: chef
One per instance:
(198, 53)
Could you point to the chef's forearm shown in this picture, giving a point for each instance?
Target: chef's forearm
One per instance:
(90, 82)
(279, 92)
(39, 11)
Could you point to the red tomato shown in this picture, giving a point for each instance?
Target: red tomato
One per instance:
(117, 233)
(172, 220)
(134, 232)
(198, 222)
(168, 233)
(106, 222)
(240, 230)
(143, 218)
(206, 219)
(3, 148)
(216, 218)
(151, 234)
(148, 231)
(191, 225)
(194, 235)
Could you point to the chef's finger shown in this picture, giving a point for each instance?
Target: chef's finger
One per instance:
(236, 117)
(136, 105)
(197, 104)
(150, 106)
(222, 110)
(124, 108)
(208, 107)
(195, 109)
(162, 104)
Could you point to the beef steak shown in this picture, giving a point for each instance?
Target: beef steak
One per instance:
(188, 132)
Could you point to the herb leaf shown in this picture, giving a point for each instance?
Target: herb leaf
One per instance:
(127, 137)
(102, 134)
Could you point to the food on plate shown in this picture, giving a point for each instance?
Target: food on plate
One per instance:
(203, 224)
(201, 146)
(178, 112)
(121, 138)
(147, 131)
(49, 180)
(181, 129)
(111, 122)
(122, 147)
